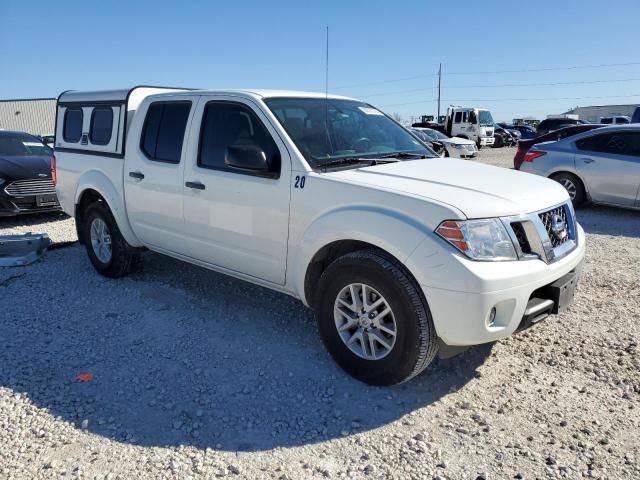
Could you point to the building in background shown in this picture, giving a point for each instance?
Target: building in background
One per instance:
(592, 114)
(36, 116)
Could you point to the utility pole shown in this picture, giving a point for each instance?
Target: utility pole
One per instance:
(439, 83)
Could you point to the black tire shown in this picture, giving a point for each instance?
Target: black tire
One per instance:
(567, 179)
(498, 142)
(416, 342)
(124, 257)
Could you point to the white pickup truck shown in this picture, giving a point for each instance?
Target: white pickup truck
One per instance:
(402, 254)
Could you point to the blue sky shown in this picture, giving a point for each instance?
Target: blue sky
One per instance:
(53, 46)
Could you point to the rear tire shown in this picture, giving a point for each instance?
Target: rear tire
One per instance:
(109, 252)
(573, 185)
(397, 358)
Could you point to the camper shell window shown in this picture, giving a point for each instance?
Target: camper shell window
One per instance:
(72, 130)
(101, 125)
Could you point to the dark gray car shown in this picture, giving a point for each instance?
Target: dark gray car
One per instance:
(601, 165)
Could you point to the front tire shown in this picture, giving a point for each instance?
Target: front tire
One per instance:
(109, 252)
(373, 319)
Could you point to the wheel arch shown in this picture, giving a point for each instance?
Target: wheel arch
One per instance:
(320, 245)
(94, 186)
(559, 171)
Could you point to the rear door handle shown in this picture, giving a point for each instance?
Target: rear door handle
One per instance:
(196, 185)
(138, 175)
(587, 160)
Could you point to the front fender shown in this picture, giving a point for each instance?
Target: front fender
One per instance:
(388, 230)
(98, 181)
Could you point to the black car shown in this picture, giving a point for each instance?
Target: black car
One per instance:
(26, 184)
(502, 137)
(551, 124)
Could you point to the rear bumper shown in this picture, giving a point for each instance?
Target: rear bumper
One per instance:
(464, 317)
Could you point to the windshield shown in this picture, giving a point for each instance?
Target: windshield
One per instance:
(485, 118)
(325, 130)
(438, 135)
(22, 146)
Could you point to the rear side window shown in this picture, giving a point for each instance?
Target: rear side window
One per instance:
(606, 120)
(101, 125)
(623, 143)
(72, 130)
(163, 131)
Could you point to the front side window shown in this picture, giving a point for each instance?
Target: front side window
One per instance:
(331, 129)
(164, 129)
(227, 124)
(101, 125)
(72, 130)
(458, 118)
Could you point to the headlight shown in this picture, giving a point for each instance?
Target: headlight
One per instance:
(484, 239)
(1, 181)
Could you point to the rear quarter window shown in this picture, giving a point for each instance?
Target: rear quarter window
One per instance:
(164, 129)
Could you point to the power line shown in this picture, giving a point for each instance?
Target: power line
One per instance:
(544, 84)
(527, 70)
(549, 69)
(509, 99)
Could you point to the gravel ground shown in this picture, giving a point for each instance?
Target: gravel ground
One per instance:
(197, 375)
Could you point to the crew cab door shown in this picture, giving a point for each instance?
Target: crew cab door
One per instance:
(237, 217)
(153, 173)
(610, 165)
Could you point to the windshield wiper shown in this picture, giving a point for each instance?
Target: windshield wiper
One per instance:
(402, 155)
(352, 160)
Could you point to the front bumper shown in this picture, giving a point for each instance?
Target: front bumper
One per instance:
(462, 317)
(486, 141)
(12, 206)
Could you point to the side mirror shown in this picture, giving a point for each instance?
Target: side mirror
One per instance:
(250, 158)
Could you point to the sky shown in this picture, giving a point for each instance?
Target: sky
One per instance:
(384, 52)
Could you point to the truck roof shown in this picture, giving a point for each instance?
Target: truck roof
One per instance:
(123, 95)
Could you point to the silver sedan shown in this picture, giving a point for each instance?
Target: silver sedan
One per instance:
(601, 165)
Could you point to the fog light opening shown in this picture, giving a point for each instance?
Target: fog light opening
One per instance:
(492, 317)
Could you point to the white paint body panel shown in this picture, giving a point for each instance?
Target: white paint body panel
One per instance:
(267, 232)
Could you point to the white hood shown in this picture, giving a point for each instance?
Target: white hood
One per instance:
(457, 141)
(476, 189)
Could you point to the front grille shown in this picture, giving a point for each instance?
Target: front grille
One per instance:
(553, 220)
(521, 236)
(23, 188)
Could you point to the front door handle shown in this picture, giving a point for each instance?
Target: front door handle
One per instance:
(138, 175)
(587, 160)
(196, 185)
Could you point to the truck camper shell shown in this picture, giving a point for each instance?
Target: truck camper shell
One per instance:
(97, 120)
